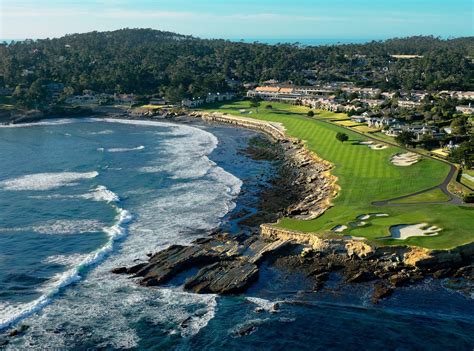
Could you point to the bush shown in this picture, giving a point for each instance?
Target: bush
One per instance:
(342, 137)
(269, 107)
(468, 198)
(310, 113)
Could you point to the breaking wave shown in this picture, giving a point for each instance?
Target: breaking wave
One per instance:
(45, 181)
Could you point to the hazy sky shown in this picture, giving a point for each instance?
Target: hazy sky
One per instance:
(285, 19)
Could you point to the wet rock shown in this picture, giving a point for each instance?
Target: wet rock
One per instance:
(164, 265)
(246, 330)
(399, 279)
(120, 270)
(230, 277)
(381, 291)
(359, 277)
(275, 308)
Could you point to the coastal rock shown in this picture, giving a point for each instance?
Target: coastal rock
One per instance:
(223, 278)
(381, 291)
(166, 264)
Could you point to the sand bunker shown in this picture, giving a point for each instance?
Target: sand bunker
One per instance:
(365, 217)
(406, 159)
(404, 231)
(373, 146)
(351, 237)
(339, 228)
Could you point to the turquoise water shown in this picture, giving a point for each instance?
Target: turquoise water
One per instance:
(78, 198)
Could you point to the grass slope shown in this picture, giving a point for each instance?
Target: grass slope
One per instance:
(365, 176)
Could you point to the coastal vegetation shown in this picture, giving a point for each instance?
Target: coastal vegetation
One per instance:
(145, 62)
(365, 176)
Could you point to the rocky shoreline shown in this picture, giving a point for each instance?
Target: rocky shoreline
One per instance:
(229, 264)
(303, 189)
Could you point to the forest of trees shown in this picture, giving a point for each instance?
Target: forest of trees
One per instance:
(145, 61)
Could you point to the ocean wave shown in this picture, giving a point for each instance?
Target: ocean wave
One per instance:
(124, 149)
(45, 181)
(14, 313)
(101, 193)
(61, 227)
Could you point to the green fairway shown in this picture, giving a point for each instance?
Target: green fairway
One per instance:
(435, 195)
(365, 176)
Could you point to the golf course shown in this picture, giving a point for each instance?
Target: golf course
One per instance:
(367, 175)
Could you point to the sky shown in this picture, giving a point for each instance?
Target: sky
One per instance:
(241, 19)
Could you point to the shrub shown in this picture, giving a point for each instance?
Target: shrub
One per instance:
(310, 113)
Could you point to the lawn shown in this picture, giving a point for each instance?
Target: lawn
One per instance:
(365, 176)
(347, 123)
(365, 129)
(435, 195)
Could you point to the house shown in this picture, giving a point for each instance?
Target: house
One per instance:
(192, 103)
(468, 110)
(124, 98)
(85, 99)
(157, 101)
(375, 122)
(358, 119)
(372, 102)
(408, 104)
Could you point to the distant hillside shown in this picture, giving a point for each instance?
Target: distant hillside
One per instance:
(145, 61)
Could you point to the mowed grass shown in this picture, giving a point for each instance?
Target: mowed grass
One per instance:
(366, 175)
(435, 195)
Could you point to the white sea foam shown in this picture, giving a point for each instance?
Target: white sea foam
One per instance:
(167, 216)
(14, 313)
(100, 193)
(124, 149)
(46, 181)
(102, 132)
(65, 260)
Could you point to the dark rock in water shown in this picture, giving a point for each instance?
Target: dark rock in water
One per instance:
(399, 279)
(136, 268)
(21, 329)
(230, 277)
(120, 270)
(166, 264)
(442, 273)
(381, 290)
(359, 277)
(185, 323)
(246, 330)
(275, 308)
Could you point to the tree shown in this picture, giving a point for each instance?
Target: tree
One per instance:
(405, 138)
(255, 103)
(464, 153)
(342, 137)
(460, 125)
(310, 113)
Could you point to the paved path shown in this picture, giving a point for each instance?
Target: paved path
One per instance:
(453, 200)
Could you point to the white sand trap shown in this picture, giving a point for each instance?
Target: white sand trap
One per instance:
(364, 217)
(373, 146)
(350, 237)
(339, 228)
(404, 231)
(406, 159)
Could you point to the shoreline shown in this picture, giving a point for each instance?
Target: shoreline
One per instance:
(315, 254)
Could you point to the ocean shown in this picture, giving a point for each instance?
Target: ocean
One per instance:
(81, 197)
